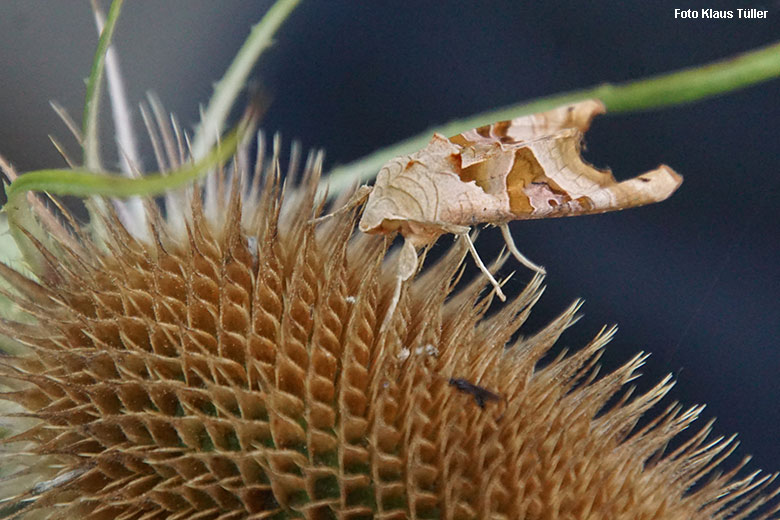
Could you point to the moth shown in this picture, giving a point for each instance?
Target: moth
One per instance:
(527, 168)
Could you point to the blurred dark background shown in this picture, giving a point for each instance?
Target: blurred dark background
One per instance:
(693, 280)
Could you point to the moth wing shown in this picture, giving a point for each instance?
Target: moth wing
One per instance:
(527, 128)
(534, 164)
(416, 193)
(549, 178)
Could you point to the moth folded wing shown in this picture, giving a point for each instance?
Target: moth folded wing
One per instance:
(527, 128)
(570, 186)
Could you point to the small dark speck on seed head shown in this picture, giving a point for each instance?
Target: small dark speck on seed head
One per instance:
(481, 395)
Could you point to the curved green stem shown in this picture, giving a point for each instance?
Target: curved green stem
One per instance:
(83, 182)
(228, 88)
(664, 90)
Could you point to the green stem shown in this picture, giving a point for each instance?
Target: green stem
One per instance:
(664, 90)
(92, 99)
(228, 88)
(83, 182)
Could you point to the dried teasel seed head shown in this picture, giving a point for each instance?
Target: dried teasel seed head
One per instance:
(225, 361)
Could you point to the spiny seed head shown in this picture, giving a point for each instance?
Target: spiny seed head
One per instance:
(225, 361)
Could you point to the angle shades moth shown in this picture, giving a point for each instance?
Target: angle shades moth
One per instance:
(526, 168)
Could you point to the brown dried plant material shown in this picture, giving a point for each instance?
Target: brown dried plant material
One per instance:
(526, 168)
(235, 368)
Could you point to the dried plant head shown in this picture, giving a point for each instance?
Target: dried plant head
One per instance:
(222, 358)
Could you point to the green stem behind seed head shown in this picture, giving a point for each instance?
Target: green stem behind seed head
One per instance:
(664, 90)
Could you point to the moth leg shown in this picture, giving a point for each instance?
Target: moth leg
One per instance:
(407, 266)
(482, 267)
(357, 199)
(510, 243)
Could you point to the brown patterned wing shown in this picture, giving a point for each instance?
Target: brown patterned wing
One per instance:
(549, 178)
(526, 168)
(527, 128)
(533, 167)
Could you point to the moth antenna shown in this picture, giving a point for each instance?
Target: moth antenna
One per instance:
(482, 267)
(510, 243)
(357, 199)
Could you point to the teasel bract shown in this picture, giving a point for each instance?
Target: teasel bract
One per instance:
(221, 357)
